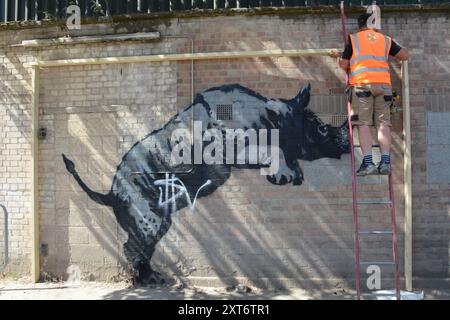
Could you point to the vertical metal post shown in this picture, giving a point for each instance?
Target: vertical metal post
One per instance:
(394, 235)
(36, 8)
(407, 172)
(25, 13)
(16, 10)
(5, 233)
(107, 9)
(6, 11)
(35, 263)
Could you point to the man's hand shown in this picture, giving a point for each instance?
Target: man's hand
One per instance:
(335, 54)
(402, 55)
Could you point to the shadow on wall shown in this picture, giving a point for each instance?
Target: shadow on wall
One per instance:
(144, 197)
(15, 98)
(300, 251)
(253, 221)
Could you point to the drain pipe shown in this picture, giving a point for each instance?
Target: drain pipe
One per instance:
(5, 233)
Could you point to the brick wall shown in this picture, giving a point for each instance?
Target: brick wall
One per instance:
(248, 229)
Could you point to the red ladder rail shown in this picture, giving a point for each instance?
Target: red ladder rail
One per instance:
(352, 157)
(355, 199)
(394, 236)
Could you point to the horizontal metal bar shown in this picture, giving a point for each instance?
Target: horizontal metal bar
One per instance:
(386, 263)
(375, 232)
(185, 56)
(374, 202)
(374, 295)
(359, 146)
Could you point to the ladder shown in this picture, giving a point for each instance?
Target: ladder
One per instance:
(391, 203)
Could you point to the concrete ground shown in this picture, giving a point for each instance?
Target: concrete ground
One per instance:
(23, 290)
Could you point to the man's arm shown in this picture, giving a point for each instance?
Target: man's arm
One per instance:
(344, 64)
(402, 55)
(343, 57)
(398, 52)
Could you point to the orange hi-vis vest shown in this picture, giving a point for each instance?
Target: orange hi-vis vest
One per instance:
(369, 61)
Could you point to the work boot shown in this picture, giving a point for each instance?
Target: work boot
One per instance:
(366, 170)
(384, 168)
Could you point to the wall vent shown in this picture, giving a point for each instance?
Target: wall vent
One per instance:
(336, 120)
(224, 112)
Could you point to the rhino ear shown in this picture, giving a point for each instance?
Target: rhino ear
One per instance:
(302, 98)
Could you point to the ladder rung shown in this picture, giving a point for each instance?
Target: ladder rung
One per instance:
(374, 202)
(368, 295)
(375, 232)
(386, 263)
(359, 146)
(374, 295)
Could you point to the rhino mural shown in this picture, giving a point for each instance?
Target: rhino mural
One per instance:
(148, 188)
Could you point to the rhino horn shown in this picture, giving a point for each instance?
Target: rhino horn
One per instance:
(301, 100)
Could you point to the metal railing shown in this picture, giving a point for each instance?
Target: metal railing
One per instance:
(5, 234)
(26, 10)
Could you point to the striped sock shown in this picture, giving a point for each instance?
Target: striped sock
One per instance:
(386, 158)
(368, 159)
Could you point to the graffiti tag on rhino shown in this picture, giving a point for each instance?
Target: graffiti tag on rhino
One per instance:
(174, 188)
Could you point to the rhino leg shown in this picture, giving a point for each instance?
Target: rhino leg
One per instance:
(298, 175)
(288, 171)
(141, 243)
(139, 254)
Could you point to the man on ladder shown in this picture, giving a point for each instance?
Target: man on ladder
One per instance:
(370, 91)
(365, 60)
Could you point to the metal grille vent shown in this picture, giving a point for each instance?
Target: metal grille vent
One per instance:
(224, 112)
(336, 120)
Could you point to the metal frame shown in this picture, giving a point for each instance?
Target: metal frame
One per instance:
(407, 174)
(5, 234)
(158, 58)
(36, 66)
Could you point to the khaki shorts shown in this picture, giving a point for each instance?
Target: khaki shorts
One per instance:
(371, 104)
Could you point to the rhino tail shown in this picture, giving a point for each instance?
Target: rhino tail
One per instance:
(104, 199)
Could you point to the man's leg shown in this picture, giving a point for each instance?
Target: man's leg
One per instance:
(365, 139)
(384, 138)
(362, 113)
(383, 122)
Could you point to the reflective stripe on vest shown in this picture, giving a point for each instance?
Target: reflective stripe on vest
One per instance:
(369, 64)
(386, 52)
(361, 70)
(367, 57)
(356, 44)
